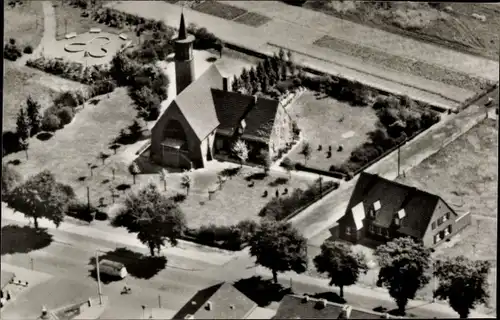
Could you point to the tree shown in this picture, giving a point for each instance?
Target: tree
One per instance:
(41, 196)
(24, 143)
(288, 166)
(240, 149)
(283, 72)
(265, 84)
(163, 178)
(266, 159)
(402, 269)
(10, 179)
(281, 54)
(134, 169)
(278, 246)
(252, 74)
(340, 263)
(236, 85)
(186, 183)
(33, 113)
(244, 75)
(23, 125)
(306, 151)
(154, 217)
(463, 282)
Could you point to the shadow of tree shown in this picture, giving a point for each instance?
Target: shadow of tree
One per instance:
(15, 162)
(10, 142)
(328, 296)
(278, 182)
(130, 135)
(44, 136)
(137, 264)
(263, 292)
(256, 176)
(211, 59)
(230, 172)
(17, 239)
(82, 178)
(123, 187)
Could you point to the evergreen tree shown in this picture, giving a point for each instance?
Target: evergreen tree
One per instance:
(244, 75)
(235, 86)
(23, 125)
(267, 66)
(281, 54)
(283, 72)
(252, 74)
(265, 84)
(33, 113)
(260, 71)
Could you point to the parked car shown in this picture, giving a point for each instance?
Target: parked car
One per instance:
(112, 268)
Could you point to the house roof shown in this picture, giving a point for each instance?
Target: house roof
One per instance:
(260, 119)
(197, 105)
(296, 307)
(230, 107)
(418, 205)
(227, 303)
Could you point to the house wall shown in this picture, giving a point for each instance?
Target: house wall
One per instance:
(158, 135)
(355, 235)
(441, 209)
(282, 131)
(207, 146)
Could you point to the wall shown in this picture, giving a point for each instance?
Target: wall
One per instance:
(158, 133)
(440, 210)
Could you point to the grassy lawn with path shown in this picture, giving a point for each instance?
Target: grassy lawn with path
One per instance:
(326, 121)
(24, 23)
(21, 82)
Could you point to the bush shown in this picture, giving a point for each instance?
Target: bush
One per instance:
(11, 51)
(222, 236)
(102, 87)
(51, 122)
(66, 115)
(28, 49)
(70, 99)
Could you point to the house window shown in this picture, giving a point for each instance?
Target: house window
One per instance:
(386, 233)
(440, 221)
(396, 221)
(372, 213)
(448, 230)
(348, 231)
(447, 216)
(436, 239)
(379, 231)
(434, 225)
(441, 235)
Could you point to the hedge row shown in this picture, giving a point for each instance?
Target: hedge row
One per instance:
(225, 237)
(84, 212)
(281, 208)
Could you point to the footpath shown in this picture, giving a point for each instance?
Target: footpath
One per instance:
(269, 38)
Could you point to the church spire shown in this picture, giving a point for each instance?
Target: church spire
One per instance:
(182, 28)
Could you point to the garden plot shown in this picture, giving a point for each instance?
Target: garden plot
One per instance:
(219, 9)
(327, 122)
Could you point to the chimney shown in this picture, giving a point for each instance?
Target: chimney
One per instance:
(225, 84)
(346, 311)
(209, 306)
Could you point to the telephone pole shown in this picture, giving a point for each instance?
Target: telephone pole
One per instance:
(98, 278)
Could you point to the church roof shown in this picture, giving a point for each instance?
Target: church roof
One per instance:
(197, 105)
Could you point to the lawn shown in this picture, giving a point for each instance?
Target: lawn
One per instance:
(456, 29)
(68, 152)
(252, 19)
(219, 9)
(69, 19)
(24, 23)
(328, 122)
(406, 65)
(21, 82)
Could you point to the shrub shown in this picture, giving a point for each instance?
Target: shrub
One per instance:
(70, 99)
(179, 197)
(103, 87)
(51, 122)
(66, 115)
(28, 49)
(11, 51)
(223, 236)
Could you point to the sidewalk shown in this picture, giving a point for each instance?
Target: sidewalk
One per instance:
(380, 294)
(119, 235)
(258, 39)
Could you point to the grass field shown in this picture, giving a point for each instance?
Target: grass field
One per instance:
(319, 120)
(252, 19)
(69, 19)
(399, 63)
(456, 29)
(24, 23)
(21, 82)
(69, 151)
(219, 9)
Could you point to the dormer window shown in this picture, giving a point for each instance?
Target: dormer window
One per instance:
(377, 205)
(400, 216)
(242, 126)
(397, 221)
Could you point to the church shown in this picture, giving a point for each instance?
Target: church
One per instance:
(206, 118)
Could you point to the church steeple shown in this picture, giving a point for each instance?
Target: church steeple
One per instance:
(184, 62)
(182, 28)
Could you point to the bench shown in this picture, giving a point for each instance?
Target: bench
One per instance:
(70, 35)
(123, 36)
(95, 30)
